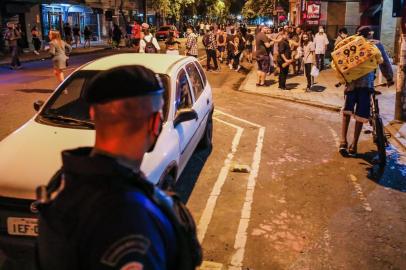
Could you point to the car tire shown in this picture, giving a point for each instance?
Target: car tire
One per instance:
(207, 139)
(167, 182)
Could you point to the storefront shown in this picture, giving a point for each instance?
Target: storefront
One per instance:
(56, 15)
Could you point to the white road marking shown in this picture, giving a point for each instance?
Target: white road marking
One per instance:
(206, 265)
(335, 136)
(237, 118)
(361, 196)
(216, 191)
(241, 236)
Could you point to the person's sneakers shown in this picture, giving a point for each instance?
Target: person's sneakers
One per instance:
(238, 68)
(342, 149)
(230, 66)
(36, 52)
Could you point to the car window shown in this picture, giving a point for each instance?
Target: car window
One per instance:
(195, 80)
(183, 95)
(202, 73)
(68, 100)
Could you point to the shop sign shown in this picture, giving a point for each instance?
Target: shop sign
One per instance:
(313, 22)
(313, 11)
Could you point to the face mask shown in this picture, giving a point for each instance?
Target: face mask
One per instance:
(321, 31)
(305, 39)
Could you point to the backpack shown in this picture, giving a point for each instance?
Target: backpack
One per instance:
(221, 39)
(206, 40)
(189, 250)
(149, 46)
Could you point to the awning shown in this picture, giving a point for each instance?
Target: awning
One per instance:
(80, 9)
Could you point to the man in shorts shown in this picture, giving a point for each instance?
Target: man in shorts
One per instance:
(357, 97)
(262, 43)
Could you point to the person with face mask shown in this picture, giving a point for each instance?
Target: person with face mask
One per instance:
(99, 211)
(342, 34)
(307, 51)
(320, 42)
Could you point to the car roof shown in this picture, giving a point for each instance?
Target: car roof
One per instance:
(159, 63)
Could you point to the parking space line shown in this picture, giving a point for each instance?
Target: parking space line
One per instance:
(241, 236)
(335, 136)
(216, 191)
(237, 118)
(361, 196)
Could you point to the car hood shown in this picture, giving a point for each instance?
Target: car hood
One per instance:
(32, 154)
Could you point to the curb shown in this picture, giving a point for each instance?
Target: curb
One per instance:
(295, 100)
(49, 57)
(395, 135)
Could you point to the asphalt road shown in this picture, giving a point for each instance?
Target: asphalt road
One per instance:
(300, 206)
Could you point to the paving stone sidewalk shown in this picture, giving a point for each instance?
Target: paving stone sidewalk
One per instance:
(324, 94)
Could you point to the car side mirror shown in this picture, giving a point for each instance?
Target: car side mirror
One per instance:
(185, 115)
(38, 104)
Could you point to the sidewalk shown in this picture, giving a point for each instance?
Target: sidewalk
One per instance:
(324, 94)
(30, 56)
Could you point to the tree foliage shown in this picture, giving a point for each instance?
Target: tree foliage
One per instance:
(175, 8)
(254, 8)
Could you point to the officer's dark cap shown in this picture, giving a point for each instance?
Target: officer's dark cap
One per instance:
(122, 82)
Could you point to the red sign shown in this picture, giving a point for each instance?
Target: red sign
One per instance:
(313, 11)
(312, 22)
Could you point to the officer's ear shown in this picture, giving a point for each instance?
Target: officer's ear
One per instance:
(91, 113)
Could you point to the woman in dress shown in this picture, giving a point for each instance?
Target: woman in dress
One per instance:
(172, 45)
(58, 49)
(35, 39)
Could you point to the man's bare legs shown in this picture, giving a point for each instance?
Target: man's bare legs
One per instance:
(344, 130)
(357, 133)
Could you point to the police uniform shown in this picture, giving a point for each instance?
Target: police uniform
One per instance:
(97, 215)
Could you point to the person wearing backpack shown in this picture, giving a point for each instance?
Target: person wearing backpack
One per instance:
(221, 43)
(99, 212)
(148, 43)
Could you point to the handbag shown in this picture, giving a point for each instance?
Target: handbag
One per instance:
(315, 71)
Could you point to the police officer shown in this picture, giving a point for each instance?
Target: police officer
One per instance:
(92, 215)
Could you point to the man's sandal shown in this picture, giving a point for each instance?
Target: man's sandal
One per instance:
(343, 149)
(352, 150)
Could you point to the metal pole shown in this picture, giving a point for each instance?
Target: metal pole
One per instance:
(400, 106)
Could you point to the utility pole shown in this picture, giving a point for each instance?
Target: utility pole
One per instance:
(145, 7)
(400, 105)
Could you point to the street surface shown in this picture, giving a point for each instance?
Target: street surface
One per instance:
(300, 206)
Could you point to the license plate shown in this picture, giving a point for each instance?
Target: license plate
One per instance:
(22, 226)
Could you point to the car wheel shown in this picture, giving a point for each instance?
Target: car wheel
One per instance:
(167, 182)
(207, 138)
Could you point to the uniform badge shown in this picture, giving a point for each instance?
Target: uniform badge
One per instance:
(132, 266)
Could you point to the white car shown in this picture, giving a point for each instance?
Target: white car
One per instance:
(31, 155)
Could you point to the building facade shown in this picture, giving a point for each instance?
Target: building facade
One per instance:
(98, 15)
(334, 14)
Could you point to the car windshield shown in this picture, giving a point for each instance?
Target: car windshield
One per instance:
(164, 28)
(67, 106)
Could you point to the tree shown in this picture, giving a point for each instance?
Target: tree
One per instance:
(217, 10)
(255, 8)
